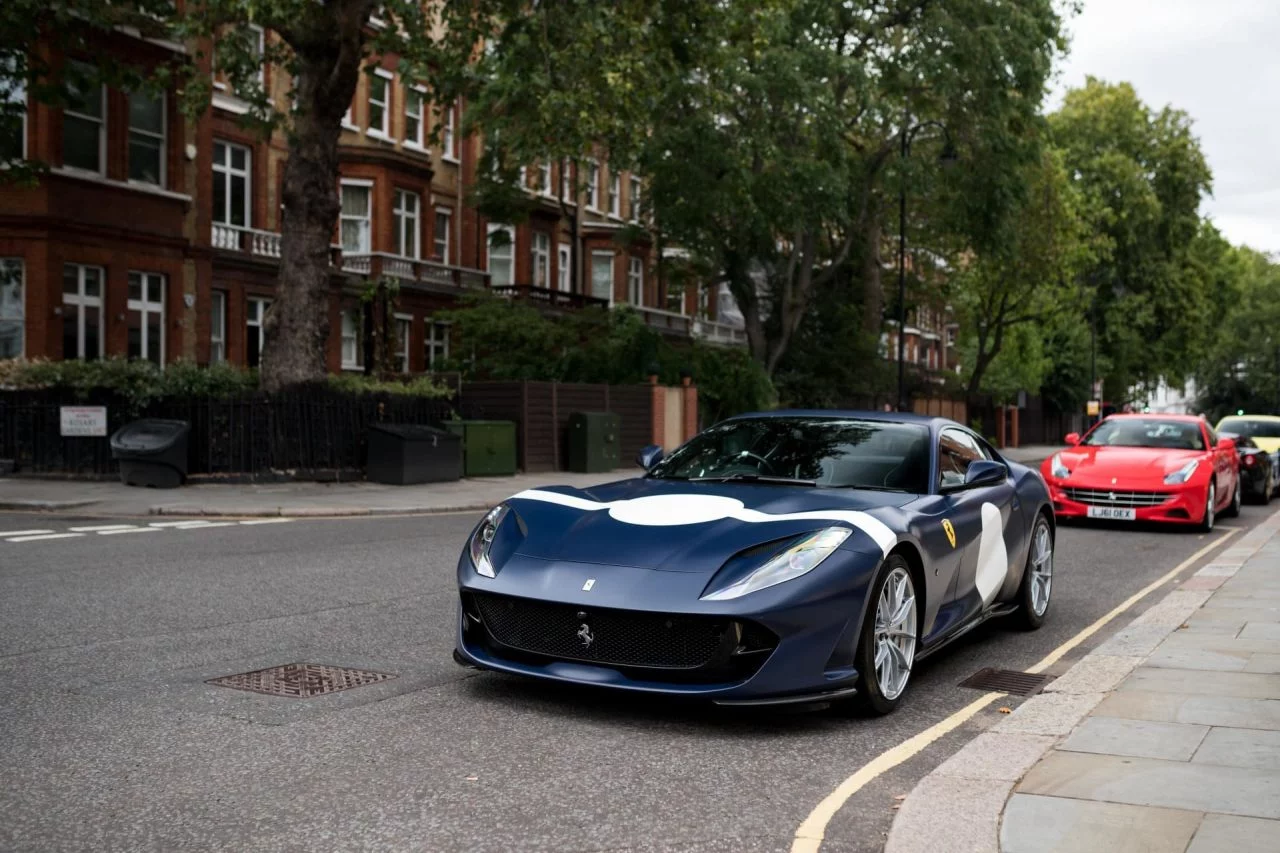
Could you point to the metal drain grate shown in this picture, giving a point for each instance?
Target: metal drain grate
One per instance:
(1007, 681)
(300, 680)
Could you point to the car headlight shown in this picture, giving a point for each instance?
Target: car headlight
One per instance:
(1057, 468)
(482, 540)
(801, 558)
(1183, 474)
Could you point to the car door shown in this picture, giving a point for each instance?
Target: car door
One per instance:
(981, 517)
(1223, 482)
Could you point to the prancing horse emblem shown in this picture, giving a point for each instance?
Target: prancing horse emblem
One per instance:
(950, 530)
(585, 635)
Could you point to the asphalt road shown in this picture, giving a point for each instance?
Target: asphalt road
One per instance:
(112, 740)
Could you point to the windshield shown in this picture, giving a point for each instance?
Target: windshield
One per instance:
(1146, 432)
(827, 452)
(1250, 428)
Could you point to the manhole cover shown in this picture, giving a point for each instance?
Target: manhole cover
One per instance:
(1006, 681)
(300, 680)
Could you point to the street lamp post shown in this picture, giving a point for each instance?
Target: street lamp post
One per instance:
(948, 156)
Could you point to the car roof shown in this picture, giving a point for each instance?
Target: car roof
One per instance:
(887, 417)
(1189, 419)
(1272, 418)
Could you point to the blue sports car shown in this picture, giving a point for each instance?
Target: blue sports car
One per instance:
(793, 556)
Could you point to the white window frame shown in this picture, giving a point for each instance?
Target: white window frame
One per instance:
(256, 319)
(20, 97)
(436, 335)
(227, 172)
(218, 330)
(80, 301)
(8, 266)
(567, 189)
(366, 185)
(406, 222)
(510, 248)
(540, 257)
(634, 199)
(597, 255)
(352, 320)
(410, 93)
(384, 130)
(163, 136)
(545, 184)
(449, 135)
(615, 194)
(404, 337)
(349, 117)
(101, 121)
(564, 271)
(593, 185)
(145, 307)
(635, 281)
(436, 240)
(262, 54)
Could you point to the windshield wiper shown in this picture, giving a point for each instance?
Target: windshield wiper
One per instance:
(754, 478)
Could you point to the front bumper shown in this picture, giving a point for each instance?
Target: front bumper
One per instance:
(799, 637)
(1184, 504)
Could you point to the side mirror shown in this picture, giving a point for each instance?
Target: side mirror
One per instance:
(649, 456)
(1226, 444)
(1073, 438)
(985, 472)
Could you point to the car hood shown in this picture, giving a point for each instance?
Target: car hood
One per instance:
(1270, 445)
(692, 527)
(1099, 465)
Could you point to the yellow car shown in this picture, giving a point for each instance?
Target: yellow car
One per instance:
(1264, 432)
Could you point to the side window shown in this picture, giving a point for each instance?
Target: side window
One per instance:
(956, 450)
(1213, 437)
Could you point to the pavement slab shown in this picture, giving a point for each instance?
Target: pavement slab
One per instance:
(1228, 834)
(1036, 824)
(1136, 738)
(1255, 748)
(1242, 685)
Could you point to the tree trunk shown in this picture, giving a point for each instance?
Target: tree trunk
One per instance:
(297, 323)
(872, 288)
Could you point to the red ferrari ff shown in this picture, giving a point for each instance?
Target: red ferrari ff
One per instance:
(1146, 468)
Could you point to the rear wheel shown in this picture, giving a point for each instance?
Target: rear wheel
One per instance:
(1237, 497)
(890, 634)
(1037, 579)
(1210, 507)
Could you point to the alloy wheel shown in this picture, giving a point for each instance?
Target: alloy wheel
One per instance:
(895, 637)
(1209, 507)
(1041, 569)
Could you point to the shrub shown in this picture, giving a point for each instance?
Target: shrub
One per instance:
(418, 386)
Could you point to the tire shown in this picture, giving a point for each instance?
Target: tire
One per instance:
(1210, 508)
(1268, 490)
(1037, 577)
(875, 698)
(1233, 508)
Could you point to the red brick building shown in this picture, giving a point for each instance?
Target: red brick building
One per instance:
(156, 237)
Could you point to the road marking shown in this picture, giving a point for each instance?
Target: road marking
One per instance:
(8, 533)
(267, 521)
(99, 528)
(49, 536)
(128, 530)
(808, 838)
(192, 523)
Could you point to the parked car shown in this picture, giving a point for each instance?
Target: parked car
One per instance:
(787, 557)
(1257, 473)
(1263, 431)
(1169, 468)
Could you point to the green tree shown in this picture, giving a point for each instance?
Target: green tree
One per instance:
(1242, 367)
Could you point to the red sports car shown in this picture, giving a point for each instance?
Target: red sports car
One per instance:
(1146, 468)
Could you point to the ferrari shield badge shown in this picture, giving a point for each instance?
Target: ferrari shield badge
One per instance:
(950, 530)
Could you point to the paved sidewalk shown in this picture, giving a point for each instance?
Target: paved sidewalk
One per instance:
(1165, 738)
(282, 499)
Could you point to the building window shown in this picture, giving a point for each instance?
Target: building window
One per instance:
(217, 326)
(352, 352)
(593, 185)
(635, 281)
(545, 185)
(704, 303)
(541, 256)
(83, 137)
(615, 193)
(11, 308)
(404, 221)
(356, 217)
(951, 336)
(437, 343)
(146, 317)
(448, 136)
(13, 127)
(566, 184)
(444, 220)
(633, 200)
(379, 102)
(564, 270)
(82, 312)
(147, 138)
(602, 275)
(255, 338)
(675, 299)
(231, 177)
(413, 100)
(502, 240)
(260, 45)
(404, 327)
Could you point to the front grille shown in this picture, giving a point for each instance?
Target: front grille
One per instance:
(621, 638)
(1112, 497)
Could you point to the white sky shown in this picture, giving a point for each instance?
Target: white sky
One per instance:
(1219, 61)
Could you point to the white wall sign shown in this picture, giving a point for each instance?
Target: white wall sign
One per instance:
(84, 420)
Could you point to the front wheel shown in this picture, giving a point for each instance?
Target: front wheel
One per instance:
(890, 634)
(1037, 578)
(1237, 497)
(1210, 507)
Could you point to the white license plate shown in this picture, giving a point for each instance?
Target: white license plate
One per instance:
(1113, 513)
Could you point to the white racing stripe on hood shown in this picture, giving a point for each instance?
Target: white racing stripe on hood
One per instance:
(675, 510)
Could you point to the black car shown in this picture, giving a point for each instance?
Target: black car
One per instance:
(1257, 478)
